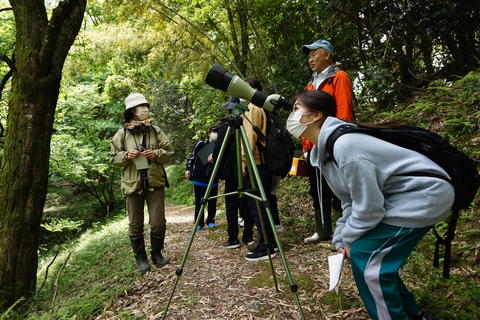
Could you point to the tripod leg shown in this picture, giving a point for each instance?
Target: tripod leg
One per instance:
(179, 271)
(251, 160)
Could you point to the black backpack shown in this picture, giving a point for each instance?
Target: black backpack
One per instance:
(461, 169)
(279, 150)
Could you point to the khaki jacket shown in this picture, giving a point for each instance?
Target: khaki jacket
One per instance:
(124, 141)
(257, 117)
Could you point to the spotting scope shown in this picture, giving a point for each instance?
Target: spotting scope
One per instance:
(220, 78)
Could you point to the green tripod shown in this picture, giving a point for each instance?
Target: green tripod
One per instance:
(235, 123)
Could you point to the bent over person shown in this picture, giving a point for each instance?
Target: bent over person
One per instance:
(142, 149)
(391, 196)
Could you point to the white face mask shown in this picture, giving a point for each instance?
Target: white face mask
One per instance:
(213, 137)
(141, 112)
(294, 126)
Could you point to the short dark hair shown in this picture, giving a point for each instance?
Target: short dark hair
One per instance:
(214, 129)
(318, 100)
(255, 84)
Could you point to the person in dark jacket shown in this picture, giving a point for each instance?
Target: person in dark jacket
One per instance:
(199, 170)
(233, 204)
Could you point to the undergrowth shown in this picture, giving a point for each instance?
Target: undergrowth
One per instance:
(181, 190)
(94, 274)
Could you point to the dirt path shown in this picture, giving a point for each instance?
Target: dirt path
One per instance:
(219, 283)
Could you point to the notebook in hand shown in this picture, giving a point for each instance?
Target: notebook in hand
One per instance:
(205, 152)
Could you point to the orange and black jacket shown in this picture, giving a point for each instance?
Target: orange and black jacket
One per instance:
(338, 85)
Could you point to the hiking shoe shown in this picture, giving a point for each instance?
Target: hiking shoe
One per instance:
(259, 254)
(312, 239)
(199, 227)
(258, 247)
(241, 223)
(279, 228)
(211, 225)
(231, 244)
(248, 242)
(425, 315)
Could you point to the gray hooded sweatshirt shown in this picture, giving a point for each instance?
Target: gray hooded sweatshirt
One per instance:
(365, 176)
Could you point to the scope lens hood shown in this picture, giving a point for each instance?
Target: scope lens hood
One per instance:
(218, 77)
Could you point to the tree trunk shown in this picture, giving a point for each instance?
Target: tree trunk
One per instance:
(41, 49)
(244, 36)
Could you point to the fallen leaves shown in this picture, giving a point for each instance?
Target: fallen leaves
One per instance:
(217, 282)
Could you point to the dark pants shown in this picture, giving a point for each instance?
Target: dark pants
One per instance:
(234, 205)
(266, 178)
(272, 199)
(328, 199)
(199, 192)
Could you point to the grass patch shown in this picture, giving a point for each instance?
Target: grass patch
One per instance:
(181, 190)
(338, 301)
(100, 268)
(68, 206)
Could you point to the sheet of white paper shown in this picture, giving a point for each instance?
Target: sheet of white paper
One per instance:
(335, 265)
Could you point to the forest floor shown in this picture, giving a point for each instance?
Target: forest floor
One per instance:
(219, 283)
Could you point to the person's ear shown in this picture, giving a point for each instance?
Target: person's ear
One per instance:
(318, 116)
(327, 54)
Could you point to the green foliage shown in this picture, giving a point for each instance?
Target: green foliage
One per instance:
(80, 145)
(7, 33)
(181, 190)
(95, 274)
(452, 298)
(59, 225)
(447, 108)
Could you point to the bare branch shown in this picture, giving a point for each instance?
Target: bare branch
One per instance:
(6, 9)
(61, 31)
(2, 130)
(7, 60)
(46, 273)
(52, 308)
(3, 83)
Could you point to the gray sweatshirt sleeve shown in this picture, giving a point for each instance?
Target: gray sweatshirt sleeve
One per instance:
(367, 209)
(340, 224)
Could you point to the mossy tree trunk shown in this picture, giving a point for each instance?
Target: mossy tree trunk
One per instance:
(41, 48)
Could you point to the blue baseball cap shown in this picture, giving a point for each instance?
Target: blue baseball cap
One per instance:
(324, 44)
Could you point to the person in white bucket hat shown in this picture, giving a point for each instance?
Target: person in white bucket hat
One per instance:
(142, 149)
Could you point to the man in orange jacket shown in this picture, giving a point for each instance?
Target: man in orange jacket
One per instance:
(329, 78)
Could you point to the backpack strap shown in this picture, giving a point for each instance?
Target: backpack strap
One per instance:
(340, 131)
(167, 184)
(124, 133)
(447, 242)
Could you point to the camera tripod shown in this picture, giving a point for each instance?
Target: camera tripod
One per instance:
(235, 123)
